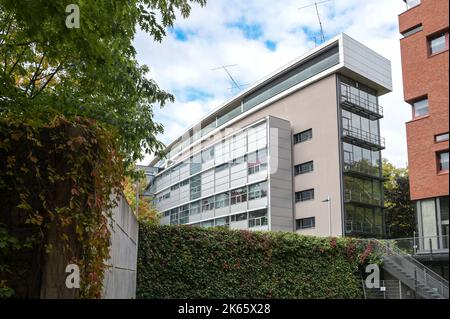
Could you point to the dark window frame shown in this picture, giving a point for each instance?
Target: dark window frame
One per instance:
(303, 136)
(299, 196)
(298, 168)
(301, 223)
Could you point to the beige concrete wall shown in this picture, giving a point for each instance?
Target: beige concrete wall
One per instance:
(315, 107)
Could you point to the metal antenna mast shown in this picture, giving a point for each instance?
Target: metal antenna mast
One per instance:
(322, 35)
(225, 68)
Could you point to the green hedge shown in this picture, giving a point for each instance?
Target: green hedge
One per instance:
(191, 262)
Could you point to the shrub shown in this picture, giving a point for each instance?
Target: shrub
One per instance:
(191, 262)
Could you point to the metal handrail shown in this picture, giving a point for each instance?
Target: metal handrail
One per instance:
(422, 274)
(416, 245)
(364, 135)
(347, 96)
(356, 166)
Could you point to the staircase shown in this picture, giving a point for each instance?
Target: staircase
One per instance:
(422, 280)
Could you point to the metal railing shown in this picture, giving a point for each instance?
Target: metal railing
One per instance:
(422, 279)
(389, 289)
(361, 168)
(363, 104)
(361, 197)
(364, 136)
(423, 245)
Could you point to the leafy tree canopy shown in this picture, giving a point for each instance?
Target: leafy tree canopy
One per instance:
(400, 212)
(92, 71)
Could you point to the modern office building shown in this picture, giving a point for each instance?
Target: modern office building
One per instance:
(424, 48)
(297, 151)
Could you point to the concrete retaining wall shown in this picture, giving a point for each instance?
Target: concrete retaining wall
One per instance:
(120, 279)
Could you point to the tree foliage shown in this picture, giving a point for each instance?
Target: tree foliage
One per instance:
(146, 213)
(90, 71)
(193, 262)
(400, 211)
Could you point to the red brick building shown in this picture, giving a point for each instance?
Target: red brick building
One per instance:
(425, 62)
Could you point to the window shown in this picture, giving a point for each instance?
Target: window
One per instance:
(257, 218)
(174, 216)
(221, 168)
(443, 161)
(412, 30)
(420, 107)
(412, 3)
(441, 137)
(256, 191)
(208, 204)
(239, 217)
(222, 200)
(304, 195)
(257, 161)
(305, 223)
(304, 168)
(184, 214)
(239, 160)
(303, 136)
(208, 155)
(238, 195)
(175, 187)
(438, 43)
(196, 186)
(184, 183)
(195, 208)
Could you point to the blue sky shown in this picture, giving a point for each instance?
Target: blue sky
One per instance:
(260, 36)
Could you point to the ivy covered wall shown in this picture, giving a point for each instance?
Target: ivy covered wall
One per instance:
(190, 262)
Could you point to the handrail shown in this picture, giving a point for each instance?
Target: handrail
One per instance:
(423, 274)
(364, 103)
(364, 135)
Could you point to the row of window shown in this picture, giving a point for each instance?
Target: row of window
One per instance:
(319, 63)
(254, 219)
(233, 197)
(256, 162)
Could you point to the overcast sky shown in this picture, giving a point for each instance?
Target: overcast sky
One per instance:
(260, 36)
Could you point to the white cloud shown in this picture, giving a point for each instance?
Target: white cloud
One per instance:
(179, 66)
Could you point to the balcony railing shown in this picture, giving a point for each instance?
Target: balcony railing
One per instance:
(363, 138)
(358, 104)
(361, 197)
(362, 168)
(427, 245)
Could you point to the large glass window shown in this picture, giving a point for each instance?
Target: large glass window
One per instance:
(208, 204)
(443, 161)
(438, 43)
(257, 161)
(223, 200)
(184, 214)
(239, 217)
(195, 208)
(305, 223)
(420, 108)
(196, 163)
(257, 218)
(208, 155)
(174, 216)
(258, 190)
(239, 195)
(299, 74)
(196, 186)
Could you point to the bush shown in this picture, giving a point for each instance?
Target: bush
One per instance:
(191, 262)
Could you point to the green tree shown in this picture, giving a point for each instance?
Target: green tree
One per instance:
(91, 71)
(400, 211)
(147, 212)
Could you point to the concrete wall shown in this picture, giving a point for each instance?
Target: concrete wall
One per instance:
(120, 279)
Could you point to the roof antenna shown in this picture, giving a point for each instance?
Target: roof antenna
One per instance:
(322, 35)
(233, 81)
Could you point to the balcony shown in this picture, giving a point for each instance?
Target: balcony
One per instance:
(361, 197)
(357, 104)
(363, 138)
(362, 169)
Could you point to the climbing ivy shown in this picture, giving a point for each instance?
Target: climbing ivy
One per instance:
(191, 262)
(59, 176)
